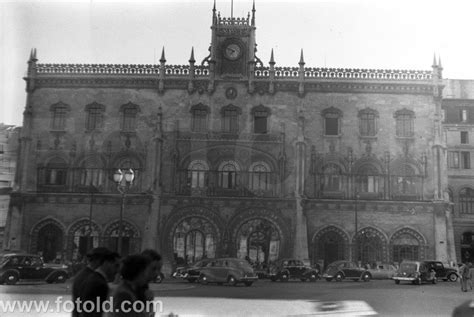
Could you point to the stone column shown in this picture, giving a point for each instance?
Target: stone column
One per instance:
(440, 232)
(300, 249)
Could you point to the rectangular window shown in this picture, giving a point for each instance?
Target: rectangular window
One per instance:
(332, 126)
(129, 119)
(405, 125)
(464, 137)
(59, 118)
(453, 159)
(260, 121)
(466, 160)
(367, 124)
(94, 119)
(231, 121)
(199, 123)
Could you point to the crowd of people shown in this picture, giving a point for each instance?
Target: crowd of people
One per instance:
(131, 276)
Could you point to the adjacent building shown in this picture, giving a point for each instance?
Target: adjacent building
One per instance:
(232, 156)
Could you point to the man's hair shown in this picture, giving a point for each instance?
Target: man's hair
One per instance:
(152, 254)
(133, 265)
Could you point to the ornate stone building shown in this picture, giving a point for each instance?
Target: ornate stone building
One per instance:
(233, 157)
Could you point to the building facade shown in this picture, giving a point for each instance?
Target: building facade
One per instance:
(458, 108)
(233, 157)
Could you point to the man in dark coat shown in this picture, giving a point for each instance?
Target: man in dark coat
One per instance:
(94, 260)
(95, 289)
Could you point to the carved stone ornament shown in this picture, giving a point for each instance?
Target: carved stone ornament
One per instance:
(231, 93)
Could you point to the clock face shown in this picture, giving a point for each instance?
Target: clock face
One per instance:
(232, 51)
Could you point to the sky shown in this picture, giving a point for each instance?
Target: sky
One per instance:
(381, 34)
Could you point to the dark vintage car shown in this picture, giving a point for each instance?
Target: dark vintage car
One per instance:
(16, 267)
(191, 272)
(341, 270)
(415, 272)
(285, 269)
(443, 272)
(227, 270)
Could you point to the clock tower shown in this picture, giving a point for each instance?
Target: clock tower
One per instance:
(232, 51)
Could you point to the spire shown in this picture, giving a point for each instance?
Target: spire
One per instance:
(253, 13)
(191, 59)
(33, 55)
(272, 60)
(439, 62)
(434, 60)
(163, 59)
(214, 16)
(301, 58)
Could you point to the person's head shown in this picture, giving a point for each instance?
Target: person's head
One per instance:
(154, 268)
(134, 269)
(95, 257)
(110, 264)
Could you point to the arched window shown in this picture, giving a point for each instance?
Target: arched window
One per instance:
(260, 119)
(260, 176)
(197, 174)
(228, 174)
(95, 116)
(368, 179)
(259, 241)
(405, 247)
(467, 247)
(50, 242)
(55, 172)
(200, 120)
(405, 122)
(466, 200)
(369, 247)
(368, 122)
(405, 182)
(331, 178)
(194, 239)
(129, 113)
(92, 172)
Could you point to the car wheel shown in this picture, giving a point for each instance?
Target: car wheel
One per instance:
(203, 279)
(339, 277)
(248, 283)
(452, 277)
(232, 281)
(312, 278)
(397, 282)
(366, 277)
(11, 278)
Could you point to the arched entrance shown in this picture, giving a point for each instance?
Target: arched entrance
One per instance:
(81, 238)
(50, 242)
(329, 245)
(370, 246)
(194, 238)
(130, 238)
(407, 244)
(258, 240)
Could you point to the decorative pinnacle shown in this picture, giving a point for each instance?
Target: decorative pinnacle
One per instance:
(33, 55)
(163, 59)
(301, 58)
(272, 60)
(191, 59)
(439, 62)
(253, 13)
(434, 60)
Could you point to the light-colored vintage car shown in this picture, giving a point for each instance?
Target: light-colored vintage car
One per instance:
(227, 270)
(382, 271)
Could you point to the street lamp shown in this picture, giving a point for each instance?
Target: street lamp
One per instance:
(122, 187)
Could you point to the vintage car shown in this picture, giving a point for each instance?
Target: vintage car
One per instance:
(382, 271)
(191, 272)
(341, 270)
(443, 271)
(285, 269)
(415, 272)
(16, 267)
(228, 270)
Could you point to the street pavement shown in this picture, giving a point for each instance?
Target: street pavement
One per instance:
(265, 298)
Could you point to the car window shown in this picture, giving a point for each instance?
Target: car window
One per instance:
(14, 261)
(298, 263)
(31, 261)
(438, 265)
(285, 263)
